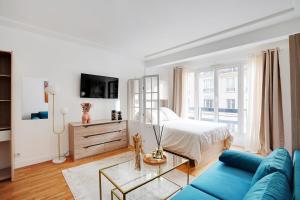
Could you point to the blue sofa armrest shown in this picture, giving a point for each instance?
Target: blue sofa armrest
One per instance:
(242, 160)
(296, 175)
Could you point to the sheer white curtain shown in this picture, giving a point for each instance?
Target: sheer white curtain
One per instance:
(254, 68)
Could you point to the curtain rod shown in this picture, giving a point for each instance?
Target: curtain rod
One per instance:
(274, 49)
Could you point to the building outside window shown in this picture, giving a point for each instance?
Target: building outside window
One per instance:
(208, 85)
(208, 103)
(190, 99)
(231, 103)
(230, 84)
(219, 96)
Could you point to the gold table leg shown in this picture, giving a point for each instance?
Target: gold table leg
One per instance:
(100, 185)
(188, 172)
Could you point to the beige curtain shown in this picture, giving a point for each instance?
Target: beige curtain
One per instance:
(294, 42)
(271, 123)
(179, 81)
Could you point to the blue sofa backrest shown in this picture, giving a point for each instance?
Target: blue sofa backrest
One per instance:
(296, 175)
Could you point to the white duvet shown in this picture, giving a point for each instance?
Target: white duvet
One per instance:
(186, 137)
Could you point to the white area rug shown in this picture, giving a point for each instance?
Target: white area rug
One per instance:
(83, 180)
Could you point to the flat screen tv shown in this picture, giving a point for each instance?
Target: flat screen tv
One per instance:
(93, 86)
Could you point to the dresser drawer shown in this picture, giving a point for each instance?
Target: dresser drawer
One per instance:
(93, 149)
(98, 129)
(99, 138)
(116, 145)
(81, 152)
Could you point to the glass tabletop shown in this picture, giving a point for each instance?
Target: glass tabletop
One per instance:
(126, 178)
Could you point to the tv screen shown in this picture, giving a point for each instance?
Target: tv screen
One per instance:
(93, 86)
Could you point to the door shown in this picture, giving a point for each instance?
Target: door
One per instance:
(151, 99)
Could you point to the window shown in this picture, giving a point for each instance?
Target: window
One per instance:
(219, 96)
(231, 103)
(208, 103)
(190, 95)
(134, 95)
(151, 99)
(208, 85)
(143, 99)
(206, 96)
(228, 93)
(230, 84)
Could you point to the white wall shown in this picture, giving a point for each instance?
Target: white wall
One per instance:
(61, 62)
(240, 55)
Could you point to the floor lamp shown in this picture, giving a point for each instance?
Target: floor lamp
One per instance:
(60, 158)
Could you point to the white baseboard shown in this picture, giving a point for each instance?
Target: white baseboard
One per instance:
(26, 162)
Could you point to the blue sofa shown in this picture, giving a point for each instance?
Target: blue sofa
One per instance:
(239, 175)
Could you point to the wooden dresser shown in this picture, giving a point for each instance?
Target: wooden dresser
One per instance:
(96, 137)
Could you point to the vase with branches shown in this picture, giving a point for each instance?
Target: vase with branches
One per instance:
(158, 153)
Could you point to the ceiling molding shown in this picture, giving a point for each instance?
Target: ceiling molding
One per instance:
(9, 23)
(279, 30)
(213, 36)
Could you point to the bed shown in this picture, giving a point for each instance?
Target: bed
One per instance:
(197, 140)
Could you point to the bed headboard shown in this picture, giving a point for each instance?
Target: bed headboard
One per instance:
(163, 102)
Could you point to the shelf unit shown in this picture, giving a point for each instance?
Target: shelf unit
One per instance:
(6, 136)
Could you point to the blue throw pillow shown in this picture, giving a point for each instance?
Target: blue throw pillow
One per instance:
(274, 186)
(241, 160)
(296, 185)
(278, 161)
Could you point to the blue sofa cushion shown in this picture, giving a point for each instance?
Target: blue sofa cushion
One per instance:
(278, 161)
(274, 186)
(241, 160)
(190, 193)
(224, 182)
(297, 175)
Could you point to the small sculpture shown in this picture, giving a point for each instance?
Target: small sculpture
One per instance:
(85, 113)
(137, 142)
(119, 115)
(113, 115)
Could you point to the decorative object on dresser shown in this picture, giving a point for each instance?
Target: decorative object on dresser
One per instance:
(6, 135)
(85, 112)
(119, 115)
(113, 115)
(96, 137)
(51, 90)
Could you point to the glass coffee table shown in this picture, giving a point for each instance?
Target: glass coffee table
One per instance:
(147, 183)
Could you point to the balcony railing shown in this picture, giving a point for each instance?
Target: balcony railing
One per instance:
(226, 110)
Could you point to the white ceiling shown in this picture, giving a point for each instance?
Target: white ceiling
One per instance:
(141, 27)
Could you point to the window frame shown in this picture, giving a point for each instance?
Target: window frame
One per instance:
(131, 94)
(145, 99)
(240, 69)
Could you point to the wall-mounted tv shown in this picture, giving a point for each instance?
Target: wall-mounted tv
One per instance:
(94, 86)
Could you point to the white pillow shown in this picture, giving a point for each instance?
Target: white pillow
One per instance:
(169, 113)
(162, 116)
